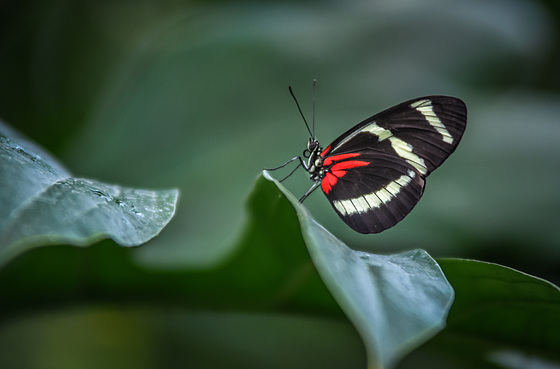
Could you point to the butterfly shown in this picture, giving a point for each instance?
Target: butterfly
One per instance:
(375, 173)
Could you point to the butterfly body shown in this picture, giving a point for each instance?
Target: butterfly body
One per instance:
(374, 174)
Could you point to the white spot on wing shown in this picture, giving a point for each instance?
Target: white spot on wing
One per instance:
(365, 203)
(394, 187)
(384, 195)
(403, 149)
(373, 128)
(346, 207)
(426, 108)
(360, 203)
(380, 132)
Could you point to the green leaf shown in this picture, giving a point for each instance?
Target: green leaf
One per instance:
(40, 203)
(396, 302)
(501, 314)
(270, 270)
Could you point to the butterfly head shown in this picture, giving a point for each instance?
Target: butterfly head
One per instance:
(312, 145)
(313, 150)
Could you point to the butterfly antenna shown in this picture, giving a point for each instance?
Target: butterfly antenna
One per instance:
(300, 112)
(314, 94)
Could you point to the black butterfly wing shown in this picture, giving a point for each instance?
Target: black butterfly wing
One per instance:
(371, 198)
(376, 171)
(431, 125)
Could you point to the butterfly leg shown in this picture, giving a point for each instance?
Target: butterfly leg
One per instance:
(283, 165)
(313, 188)
(292, 172)
(301, 163)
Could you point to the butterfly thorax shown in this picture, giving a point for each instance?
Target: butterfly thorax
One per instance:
(314, 160)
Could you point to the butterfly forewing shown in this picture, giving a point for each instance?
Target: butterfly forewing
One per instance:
(375, 171)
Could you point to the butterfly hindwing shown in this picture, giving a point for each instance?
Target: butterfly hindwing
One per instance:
(376, 196)
(375, 172)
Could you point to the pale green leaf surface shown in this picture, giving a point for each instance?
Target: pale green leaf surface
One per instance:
(501, 312)
(396, 302)
(40, 203)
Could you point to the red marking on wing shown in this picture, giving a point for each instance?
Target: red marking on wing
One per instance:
(328, 182)
(349, 165)
(328, 161)
(326, 151)
(338, 171)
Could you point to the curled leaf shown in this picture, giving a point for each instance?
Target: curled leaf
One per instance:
(40, 203)
(396, 302)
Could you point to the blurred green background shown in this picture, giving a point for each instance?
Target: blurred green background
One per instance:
(170, 93)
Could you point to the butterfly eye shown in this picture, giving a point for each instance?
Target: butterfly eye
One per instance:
(312, 144)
